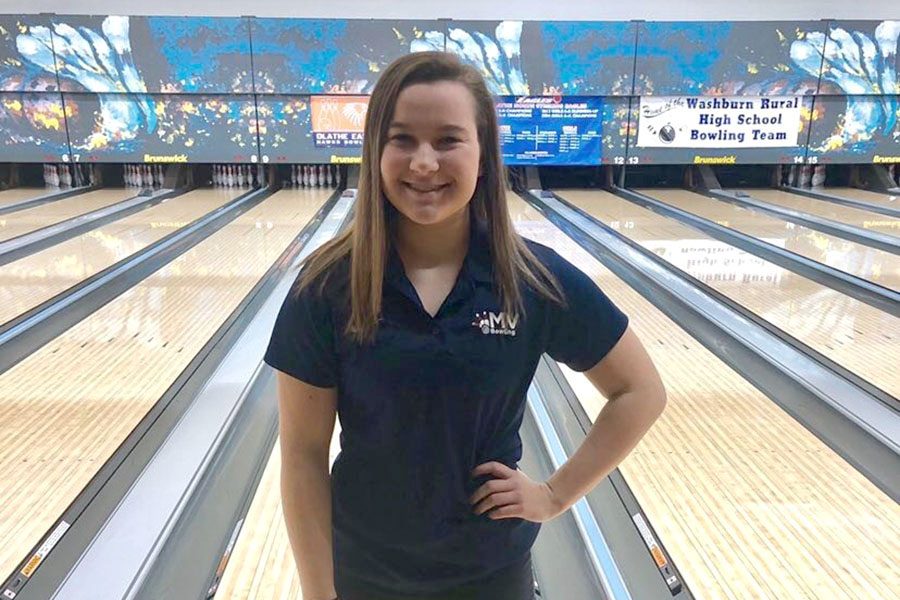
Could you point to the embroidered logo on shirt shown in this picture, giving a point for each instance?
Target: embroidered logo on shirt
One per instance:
(494, 324)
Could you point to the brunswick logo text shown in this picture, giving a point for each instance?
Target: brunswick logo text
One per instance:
(496, 324)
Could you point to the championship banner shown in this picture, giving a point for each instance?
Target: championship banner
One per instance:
(337, 121)
(536, 130)
(719, 122)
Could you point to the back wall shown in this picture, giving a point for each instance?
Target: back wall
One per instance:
(655, 10)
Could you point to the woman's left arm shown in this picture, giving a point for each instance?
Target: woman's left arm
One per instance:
(636, 397)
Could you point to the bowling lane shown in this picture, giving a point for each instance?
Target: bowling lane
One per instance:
(28, 220)
(861, 338)
(863, 261)
(886, 200)
(822, 208)
(28, 282)
(15, 195)
(262, 563)
(748, 502)
(67, 407)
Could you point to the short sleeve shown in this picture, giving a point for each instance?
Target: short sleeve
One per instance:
(302, 343)
(588, 326)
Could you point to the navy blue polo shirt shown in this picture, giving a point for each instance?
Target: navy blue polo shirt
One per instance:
(428, 401)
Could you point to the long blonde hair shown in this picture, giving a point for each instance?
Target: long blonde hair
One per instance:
(367, 240)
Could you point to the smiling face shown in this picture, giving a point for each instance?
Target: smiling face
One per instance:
(431, 157)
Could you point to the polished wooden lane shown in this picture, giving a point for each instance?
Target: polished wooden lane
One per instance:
(877, 198)
(852, 333)
(863, 219)
(747, 501)
(262, 566)
(25, 221)
(21, 194)
(29, 281)
(68, 406)
(863, 261)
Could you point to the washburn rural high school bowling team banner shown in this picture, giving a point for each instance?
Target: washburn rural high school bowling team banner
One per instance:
(117, 88)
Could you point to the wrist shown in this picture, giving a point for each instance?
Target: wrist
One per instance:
(558, 504)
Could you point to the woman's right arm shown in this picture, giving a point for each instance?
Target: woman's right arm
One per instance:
(306, 423)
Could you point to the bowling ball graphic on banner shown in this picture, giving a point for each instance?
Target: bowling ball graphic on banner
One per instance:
(667, 134)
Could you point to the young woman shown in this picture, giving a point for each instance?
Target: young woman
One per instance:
(422, 327)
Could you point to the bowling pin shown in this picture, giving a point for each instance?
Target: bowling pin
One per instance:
(294, 175)
(54, 176)
(314, 176)
(818, 178)
(805, 176)
(307, 176)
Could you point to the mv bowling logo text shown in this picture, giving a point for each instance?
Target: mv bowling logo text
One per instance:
(493, 324)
